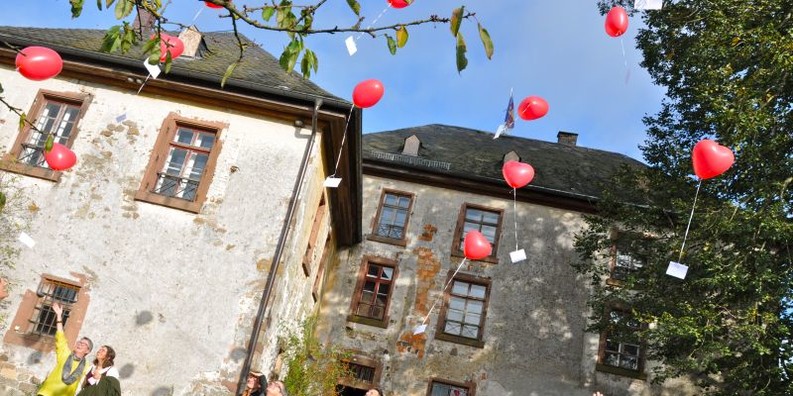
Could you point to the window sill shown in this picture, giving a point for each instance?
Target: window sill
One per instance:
(171, 202)
(369, 321)
(489, 259)
(615, 282)
(460, 340)
(11, 165)
(621, 371)
(390, 241)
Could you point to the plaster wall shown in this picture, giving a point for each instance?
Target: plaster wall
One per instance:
(173, 292)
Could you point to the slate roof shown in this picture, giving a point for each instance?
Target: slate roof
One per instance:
(560, 169)
(258, 67)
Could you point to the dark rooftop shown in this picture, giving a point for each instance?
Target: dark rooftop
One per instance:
(258, 66)
(471, 154)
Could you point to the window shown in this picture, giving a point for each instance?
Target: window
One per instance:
(363, 373)
(620, 349)
(34, 323)
(462, 317)
(392, 217)
(627, 258)
(482, 219)
(52, 113)
(182, 164)
(373, 292)
(311, 250)
(319, 278)
(448, 388)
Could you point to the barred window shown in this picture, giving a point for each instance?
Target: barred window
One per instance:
(43, 321)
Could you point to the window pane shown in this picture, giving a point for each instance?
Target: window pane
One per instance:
(391, 199)
(473, 215)
(175, 161)
(198, 166)
(490, 217)
(404, 202)
(384, 288)
(452, 328)
(457, 303)
(489, 232)
(460, 288)
(470, 331)
(454, 315)
(388, 273)
(477, 291)
(369, 286)
(205, 140)
(184, 136)
(474, 307)
(471, 318)
(374, 271)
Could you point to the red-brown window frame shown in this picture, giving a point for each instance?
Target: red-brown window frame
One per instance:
(604, 335)
(10, 162)
(394, 241)
(356, 298)
(160, 153)
(470, 385)
(458, 231)
(365, 361)
(468, 278)
(18, 332)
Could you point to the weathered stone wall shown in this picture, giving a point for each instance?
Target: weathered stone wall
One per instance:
(174, 293)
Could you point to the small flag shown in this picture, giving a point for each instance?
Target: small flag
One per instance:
(648, 4)
(509, 118)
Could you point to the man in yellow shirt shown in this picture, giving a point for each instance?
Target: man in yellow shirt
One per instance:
(71, 366)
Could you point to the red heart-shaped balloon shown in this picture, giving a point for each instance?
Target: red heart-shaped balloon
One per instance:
(60, 157)
(476, 246)
(38, 63)
(171, 44)
(367, 93)
(398, 3)
(517, 174)
(616, 21)
(532, 108)
(711, 159)
(212, 5)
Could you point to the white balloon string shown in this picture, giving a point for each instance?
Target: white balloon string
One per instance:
(343, 138)
(374, 21)
(444, 290)
(691, 216)
(200, 8)
(144, 83)
(515, 214)
(624, 59)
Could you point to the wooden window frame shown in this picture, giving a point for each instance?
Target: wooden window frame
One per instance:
(356, 297)
(384, 239)
(439, 331)
(359, 359)
(20, 333)
(319, 217)
(458, 231)
(160, 153)
(10, 160)
(319, 278)
(613, 257)
(470, 385)
(621, 371)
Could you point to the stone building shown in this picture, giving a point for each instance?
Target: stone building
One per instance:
(189, 205)
(418, 320)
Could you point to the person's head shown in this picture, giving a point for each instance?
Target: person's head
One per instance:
(256, 380)
(83, 347)
(374, 392)
(276, 388)
(106, 354)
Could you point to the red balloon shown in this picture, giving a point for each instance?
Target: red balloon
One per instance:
(39, 63)
(367, 93)
(171, 44)
(476, 246)
(517, 174)
(212, 5)
(616, 21)
(60, 157)
(711, 159)
(532, 108)
(398, 3)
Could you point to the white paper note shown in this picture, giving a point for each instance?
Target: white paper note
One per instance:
(154, 70)
(677, 270)
(420, 329)
(517, 256)
(351, 48)
(26, 240)
(332, 182)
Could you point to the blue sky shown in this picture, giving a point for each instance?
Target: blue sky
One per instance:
(554, 49)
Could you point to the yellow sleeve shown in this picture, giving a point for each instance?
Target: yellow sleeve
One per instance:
(61, 346)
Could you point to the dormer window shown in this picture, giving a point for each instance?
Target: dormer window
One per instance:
(511, 156)
(411, 146)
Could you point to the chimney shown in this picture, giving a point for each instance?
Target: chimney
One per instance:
(191, 38)
(566, 138)
(144, 23)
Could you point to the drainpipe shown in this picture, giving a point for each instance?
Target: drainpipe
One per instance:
(257, 324)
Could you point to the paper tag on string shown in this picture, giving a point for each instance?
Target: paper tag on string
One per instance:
(332, 182)
(677, 270)
(517, 256)
(351, 48)
(154, 70)
(26, 240)
(419, 329)
(648, 4)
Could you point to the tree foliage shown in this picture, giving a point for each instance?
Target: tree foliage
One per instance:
(312, 368)
(294, 20)
(727, 66)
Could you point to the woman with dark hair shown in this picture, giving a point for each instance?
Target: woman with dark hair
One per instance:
(255, 384)
(102, 377)
(374, 392)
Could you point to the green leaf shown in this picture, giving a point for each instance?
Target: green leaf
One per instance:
(124, 8)
(111, 41)
(77, 7)
(402, 36)
(486, 41)
(227, 74)
(168, 62)
(309, 63)
(108, 3)
(289, 56)
(392, 47)
(22, 120)
(99, 4)
(456, 20)
(1, 88)
(154, 57)
(355, 7)
(267, 13)
(48, 144)
(462, 62)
